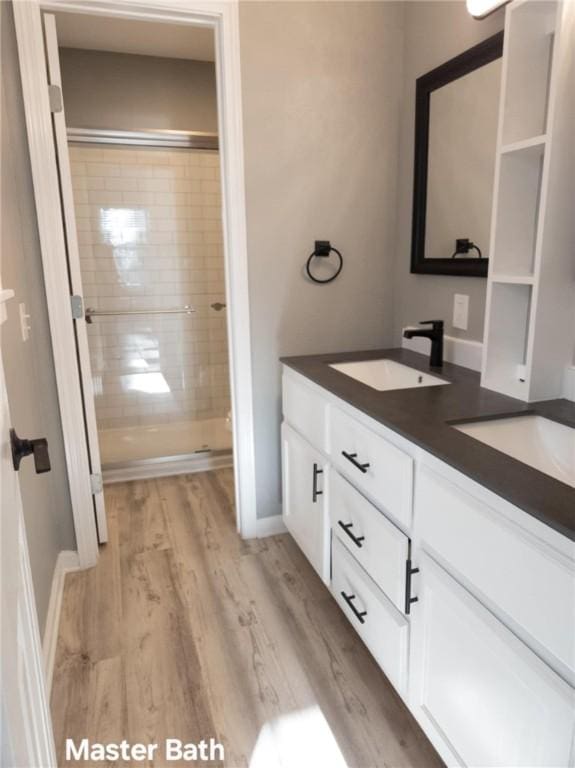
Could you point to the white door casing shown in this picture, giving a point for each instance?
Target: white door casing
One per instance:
(223, 18)
(26, 739)
(68, 212)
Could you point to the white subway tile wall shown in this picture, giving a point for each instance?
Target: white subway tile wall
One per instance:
(150, 236)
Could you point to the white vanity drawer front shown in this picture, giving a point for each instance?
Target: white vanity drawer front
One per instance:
(305, 410)
(380, 625)
(520, 575)
(375, 542)
(382, 471)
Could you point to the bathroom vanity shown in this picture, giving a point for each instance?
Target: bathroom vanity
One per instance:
(453, 560)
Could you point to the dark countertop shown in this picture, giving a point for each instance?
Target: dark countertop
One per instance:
(424, 416)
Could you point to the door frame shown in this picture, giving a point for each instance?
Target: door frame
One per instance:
(223, 18)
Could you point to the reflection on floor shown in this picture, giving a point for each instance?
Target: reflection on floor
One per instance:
(119, 445)
(185, 631)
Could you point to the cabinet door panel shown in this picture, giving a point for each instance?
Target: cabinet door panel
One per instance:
(304, 499)
(478, 691)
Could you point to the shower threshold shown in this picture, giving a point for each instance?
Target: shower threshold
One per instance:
(202, 460)
(164, 449)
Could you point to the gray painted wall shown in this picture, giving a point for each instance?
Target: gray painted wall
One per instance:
(328, 92)
(129, 92)
(434, 32)
(29, 366)
(321, 90)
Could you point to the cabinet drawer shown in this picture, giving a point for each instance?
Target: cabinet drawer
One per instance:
(382, 471)
(380, 625)
(533, 585)
(477, 689)
(305, 410)
(375, 542)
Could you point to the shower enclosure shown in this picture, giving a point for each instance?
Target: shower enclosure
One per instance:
(148, 214)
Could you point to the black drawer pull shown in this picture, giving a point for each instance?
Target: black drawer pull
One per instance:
(315, 493)
(358, 614)
(357, 540)
(352, 457)
(409, 571)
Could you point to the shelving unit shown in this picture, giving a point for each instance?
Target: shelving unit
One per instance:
(530, 314)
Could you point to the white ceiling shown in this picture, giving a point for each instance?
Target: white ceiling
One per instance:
(101, 33)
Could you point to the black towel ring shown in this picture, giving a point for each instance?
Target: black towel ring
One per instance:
(322, 249)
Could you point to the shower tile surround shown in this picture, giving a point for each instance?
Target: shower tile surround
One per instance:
(150, 236)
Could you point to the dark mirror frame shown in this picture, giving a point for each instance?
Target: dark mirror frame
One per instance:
(485, 52)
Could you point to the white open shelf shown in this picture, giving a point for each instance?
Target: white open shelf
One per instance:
(513, 279)
(508, 338)
(517, 215)
(524, 144)
(530, 44)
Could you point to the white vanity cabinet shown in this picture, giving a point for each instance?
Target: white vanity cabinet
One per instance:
(492, 648)
(466, 602)
(482, 696)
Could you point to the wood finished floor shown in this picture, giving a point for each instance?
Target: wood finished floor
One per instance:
(185, 631)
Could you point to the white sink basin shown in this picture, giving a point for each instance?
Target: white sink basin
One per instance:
(387, 374)
(534, 440)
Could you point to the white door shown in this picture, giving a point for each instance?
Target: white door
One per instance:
(26, 739)
(65, 178)
(304, 499)
(482, 696)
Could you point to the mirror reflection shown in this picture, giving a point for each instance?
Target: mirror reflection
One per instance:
(462, 139)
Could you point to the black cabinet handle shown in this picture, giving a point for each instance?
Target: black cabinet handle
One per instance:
(352, 457)
(409, 571)
(21, 448)
(358, 614)
(315, 493)
(357, 540)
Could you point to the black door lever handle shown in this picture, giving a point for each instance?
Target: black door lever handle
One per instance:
(38, 448)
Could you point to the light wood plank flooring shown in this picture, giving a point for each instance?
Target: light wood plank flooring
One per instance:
(185, 631)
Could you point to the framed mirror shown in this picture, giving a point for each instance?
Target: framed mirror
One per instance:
(456, 115)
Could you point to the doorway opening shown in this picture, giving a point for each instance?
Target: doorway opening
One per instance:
(142, 137)
(138, 178)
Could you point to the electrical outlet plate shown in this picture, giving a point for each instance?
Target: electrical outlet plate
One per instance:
(461, 311)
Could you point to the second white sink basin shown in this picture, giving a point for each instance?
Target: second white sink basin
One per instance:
(387, 374)
(539, 442)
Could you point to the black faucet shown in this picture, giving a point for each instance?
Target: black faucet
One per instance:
(435, 333)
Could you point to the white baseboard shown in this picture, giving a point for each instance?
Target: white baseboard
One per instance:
(569, 383)
(462, 352)
(147, 469)
(270, 526)
(66, 562)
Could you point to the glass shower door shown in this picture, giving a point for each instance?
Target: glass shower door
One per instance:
(149, 230)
